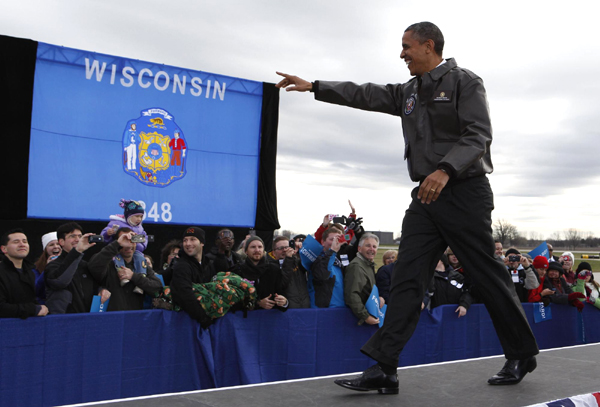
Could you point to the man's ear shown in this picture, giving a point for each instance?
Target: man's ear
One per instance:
(3, 248)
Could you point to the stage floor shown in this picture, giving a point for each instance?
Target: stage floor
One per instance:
(560, 373)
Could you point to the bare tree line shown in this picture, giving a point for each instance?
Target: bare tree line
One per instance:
(571, 238)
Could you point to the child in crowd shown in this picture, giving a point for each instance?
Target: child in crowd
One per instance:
(132, 218)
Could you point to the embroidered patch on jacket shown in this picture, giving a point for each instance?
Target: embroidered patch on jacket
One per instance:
(442, 96)
(410, 104)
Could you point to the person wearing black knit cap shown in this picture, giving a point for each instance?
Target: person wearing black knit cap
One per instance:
(563, 294)
(191, 268)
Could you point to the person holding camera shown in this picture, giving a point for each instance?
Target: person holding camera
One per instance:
(522, 273)
(133, 215)
(70, 287)
(118, 262)
(284, 256)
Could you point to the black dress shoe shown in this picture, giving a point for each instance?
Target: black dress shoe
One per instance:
(372, 379)
(514, 371)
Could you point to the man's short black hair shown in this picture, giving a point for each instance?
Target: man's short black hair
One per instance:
(424, 31)
(65, 228)
(122, 230)
(5, 237)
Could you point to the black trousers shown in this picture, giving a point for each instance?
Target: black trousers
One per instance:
(460, 218)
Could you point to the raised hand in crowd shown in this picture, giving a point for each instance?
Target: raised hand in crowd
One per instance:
(84, 243)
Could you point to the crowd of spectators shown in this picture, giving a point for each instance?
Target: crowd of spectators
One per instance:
(342, 274)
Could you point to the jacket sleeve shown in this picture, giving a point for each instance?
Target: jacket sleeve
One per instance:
(319, 268)
(531, 279)
(369, 96)
(475, 127)
(354, 283)
(288, 269)
(59, 276)
(147, 282)
(98, 264)
(535, 295)
(107, 238)
(465, 299)
(182, 290)
(8, 310)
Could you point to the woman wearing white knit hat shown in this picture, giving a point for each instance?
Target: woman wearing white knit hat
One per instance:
(51, 251)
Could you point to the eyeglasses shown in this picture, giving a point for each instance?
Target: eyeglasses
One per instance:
(281, 247)
(226, 234)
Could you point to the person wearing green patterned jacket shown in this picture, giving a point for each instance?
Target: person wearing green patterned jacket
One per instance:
(586, 284)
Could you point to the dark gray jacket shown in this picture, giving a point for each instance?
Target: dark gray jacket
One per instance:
(445, 122)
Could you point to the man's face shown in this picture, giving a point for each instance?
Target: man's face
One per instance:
(192, 246)
(71, 239)
(368, 249)
(329, 241)
(417, 56)
(279, 249)
(53, 248)
(128, 249)
(499, 249)
(17, 246)
(452, 259)
(514, 264)
(225, 240)
(255, 251)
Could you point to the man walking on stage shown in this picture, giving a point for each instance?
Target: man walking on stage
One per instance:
(447, 133)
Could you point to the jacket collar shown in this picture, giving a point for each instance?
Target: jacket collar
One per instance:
(441, 70)
(362, 258)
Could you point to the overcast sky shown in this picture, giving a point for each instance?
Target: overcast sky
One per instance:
(539, 61)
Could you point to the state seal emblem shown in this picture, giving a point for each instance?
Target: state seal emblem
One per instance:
(154, 149)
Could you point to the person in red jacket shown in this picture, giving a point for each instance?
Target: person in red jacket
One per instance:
(540, 264)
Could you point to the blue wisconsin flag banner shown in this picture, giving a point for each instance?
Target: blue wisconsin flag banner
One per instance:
(186, 143)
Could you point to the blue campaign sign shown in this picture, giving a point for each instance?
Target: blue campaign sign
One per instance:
(373, 308)
(310, 251)
(541, 250)
(186, 143)
(541, 313)
(98, 305)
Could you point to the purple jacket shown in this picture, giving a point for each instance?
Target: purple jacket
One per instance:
(120, 221)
